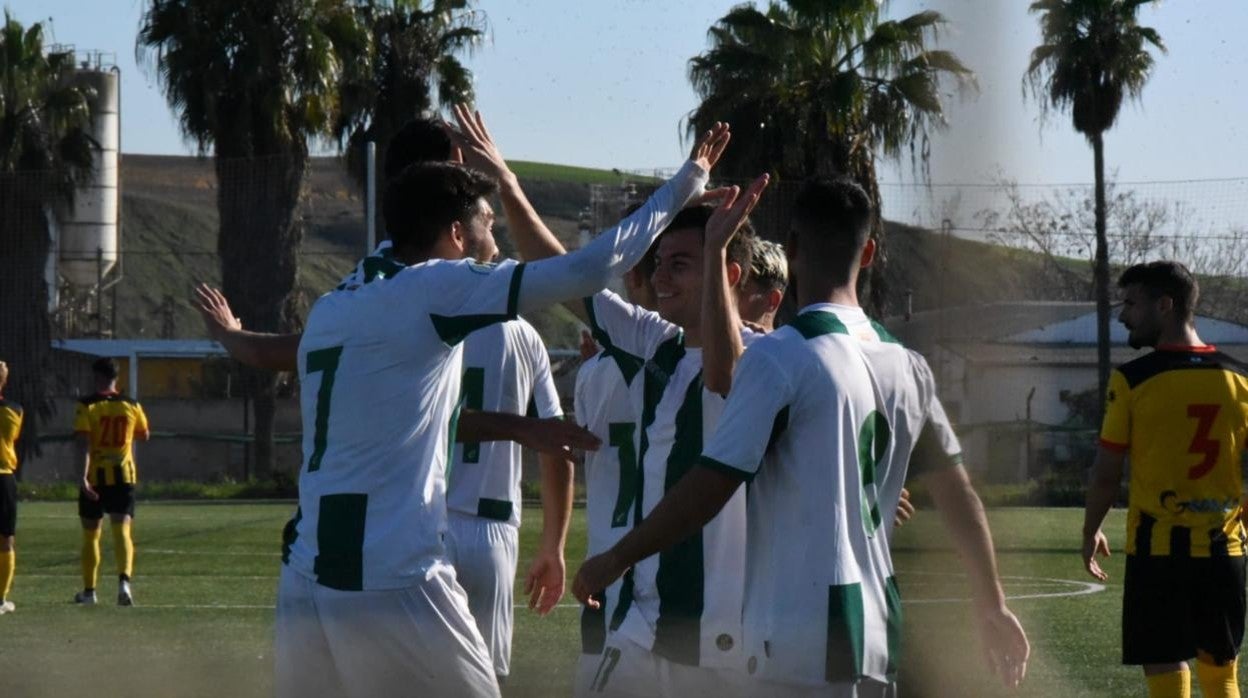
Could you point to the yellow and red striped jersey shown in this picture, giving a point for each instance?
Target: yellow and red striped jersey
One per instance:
(111, 422)
(1181, 415)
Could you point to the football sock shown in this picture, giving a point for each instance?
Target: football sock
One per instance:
(1173, 684)
(1218, 681)
(8, 563)
(123, 548)
(90, 557)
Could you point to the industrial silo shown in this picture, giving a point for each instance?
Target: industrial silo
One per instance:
(87, 230)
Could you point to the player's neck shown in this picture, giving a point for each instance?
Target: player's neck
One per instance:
(826, 293)
(1183, 336)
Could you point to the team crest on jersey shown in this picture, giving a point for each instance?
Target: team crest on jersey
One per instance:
(482, 268)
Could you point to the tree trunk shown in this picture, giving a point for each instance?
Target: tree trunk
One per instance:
(25, 327)
(1100, 274)
(258, 243)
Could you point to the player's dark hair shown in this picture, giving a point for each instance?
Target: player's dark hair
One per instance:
(1165, 278)
(427, 197)
(419, 140)
(739, 248)
(832, 218)
(105, 368)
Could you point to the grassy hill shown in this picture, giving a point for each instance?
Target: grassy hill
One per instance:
(169, 230)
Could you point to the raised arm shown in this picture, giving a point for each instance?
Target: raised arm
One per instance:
(586, 271)
(533, 239)
(276, 352)
(721, 324)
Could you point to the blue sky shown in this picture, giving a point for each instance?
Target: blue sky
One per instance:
(604, 84)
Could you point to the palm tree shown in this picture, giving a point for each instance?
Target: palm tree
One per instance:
(253, 82)
(820, 87)
(414, 52)
(45, 151)
(1094, 55)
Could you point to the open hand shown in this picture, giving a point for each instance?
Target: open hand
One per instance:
(1096, 544)
(711, 147)
(731, 212)
(214, 310)
(475, 145)
(545, 581)
(557, 436)
(1005, 645)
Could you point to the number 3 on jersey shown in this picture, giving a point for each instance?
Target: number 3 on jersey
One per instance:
(1202, 445)
(324, 361)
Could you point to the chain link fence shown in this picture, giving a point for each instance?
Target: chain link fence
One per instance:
(946, 246)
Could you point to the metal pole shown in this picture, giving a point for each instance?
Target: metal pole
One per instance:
(370, 201)
(99, 292)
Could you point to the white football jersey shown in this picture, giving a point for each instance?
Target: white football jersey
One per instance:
(683, 604)
(825, 415)
(604, 405)
(379, 367)
(506, 369)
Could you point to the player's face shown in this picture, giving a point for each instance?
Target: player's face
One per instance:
(677, 276)
(479, 241)
(1141, 316)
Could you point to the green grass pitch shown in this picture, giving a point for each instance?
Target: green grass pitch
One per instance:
(206, 578)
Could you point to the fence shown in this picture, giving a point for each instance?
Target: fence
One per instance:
(138, 289)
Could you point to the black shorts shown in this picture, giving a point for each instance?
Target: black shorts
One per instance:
(8, 505)
(114, 499)
(1172, 607)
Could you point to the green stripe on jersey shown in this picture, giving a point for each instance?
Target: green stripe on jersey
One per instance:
(340, 541)
(472, 397)
(453, 329)
(681, 579)
(884, 334)
(818, 323)
(657, 374)
(628, 364)
(846, 634)
(893, 598)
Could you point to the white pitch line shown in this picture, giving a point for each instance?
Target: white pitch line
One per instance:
(204, 553)
(231, 607)
(1081, 588)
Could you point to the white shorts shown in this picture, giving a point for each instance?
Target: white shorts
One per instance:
(395, 642)
(627, 670)
(484, 553)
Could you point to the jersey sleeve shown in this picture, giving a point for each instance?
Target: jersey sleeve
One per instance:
(761, 394)
(625, 330)
(580, 393)
(82, 419)
(937, 446)
(1116, 429)
(545, 396)
(140, 421)
(463, 296)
